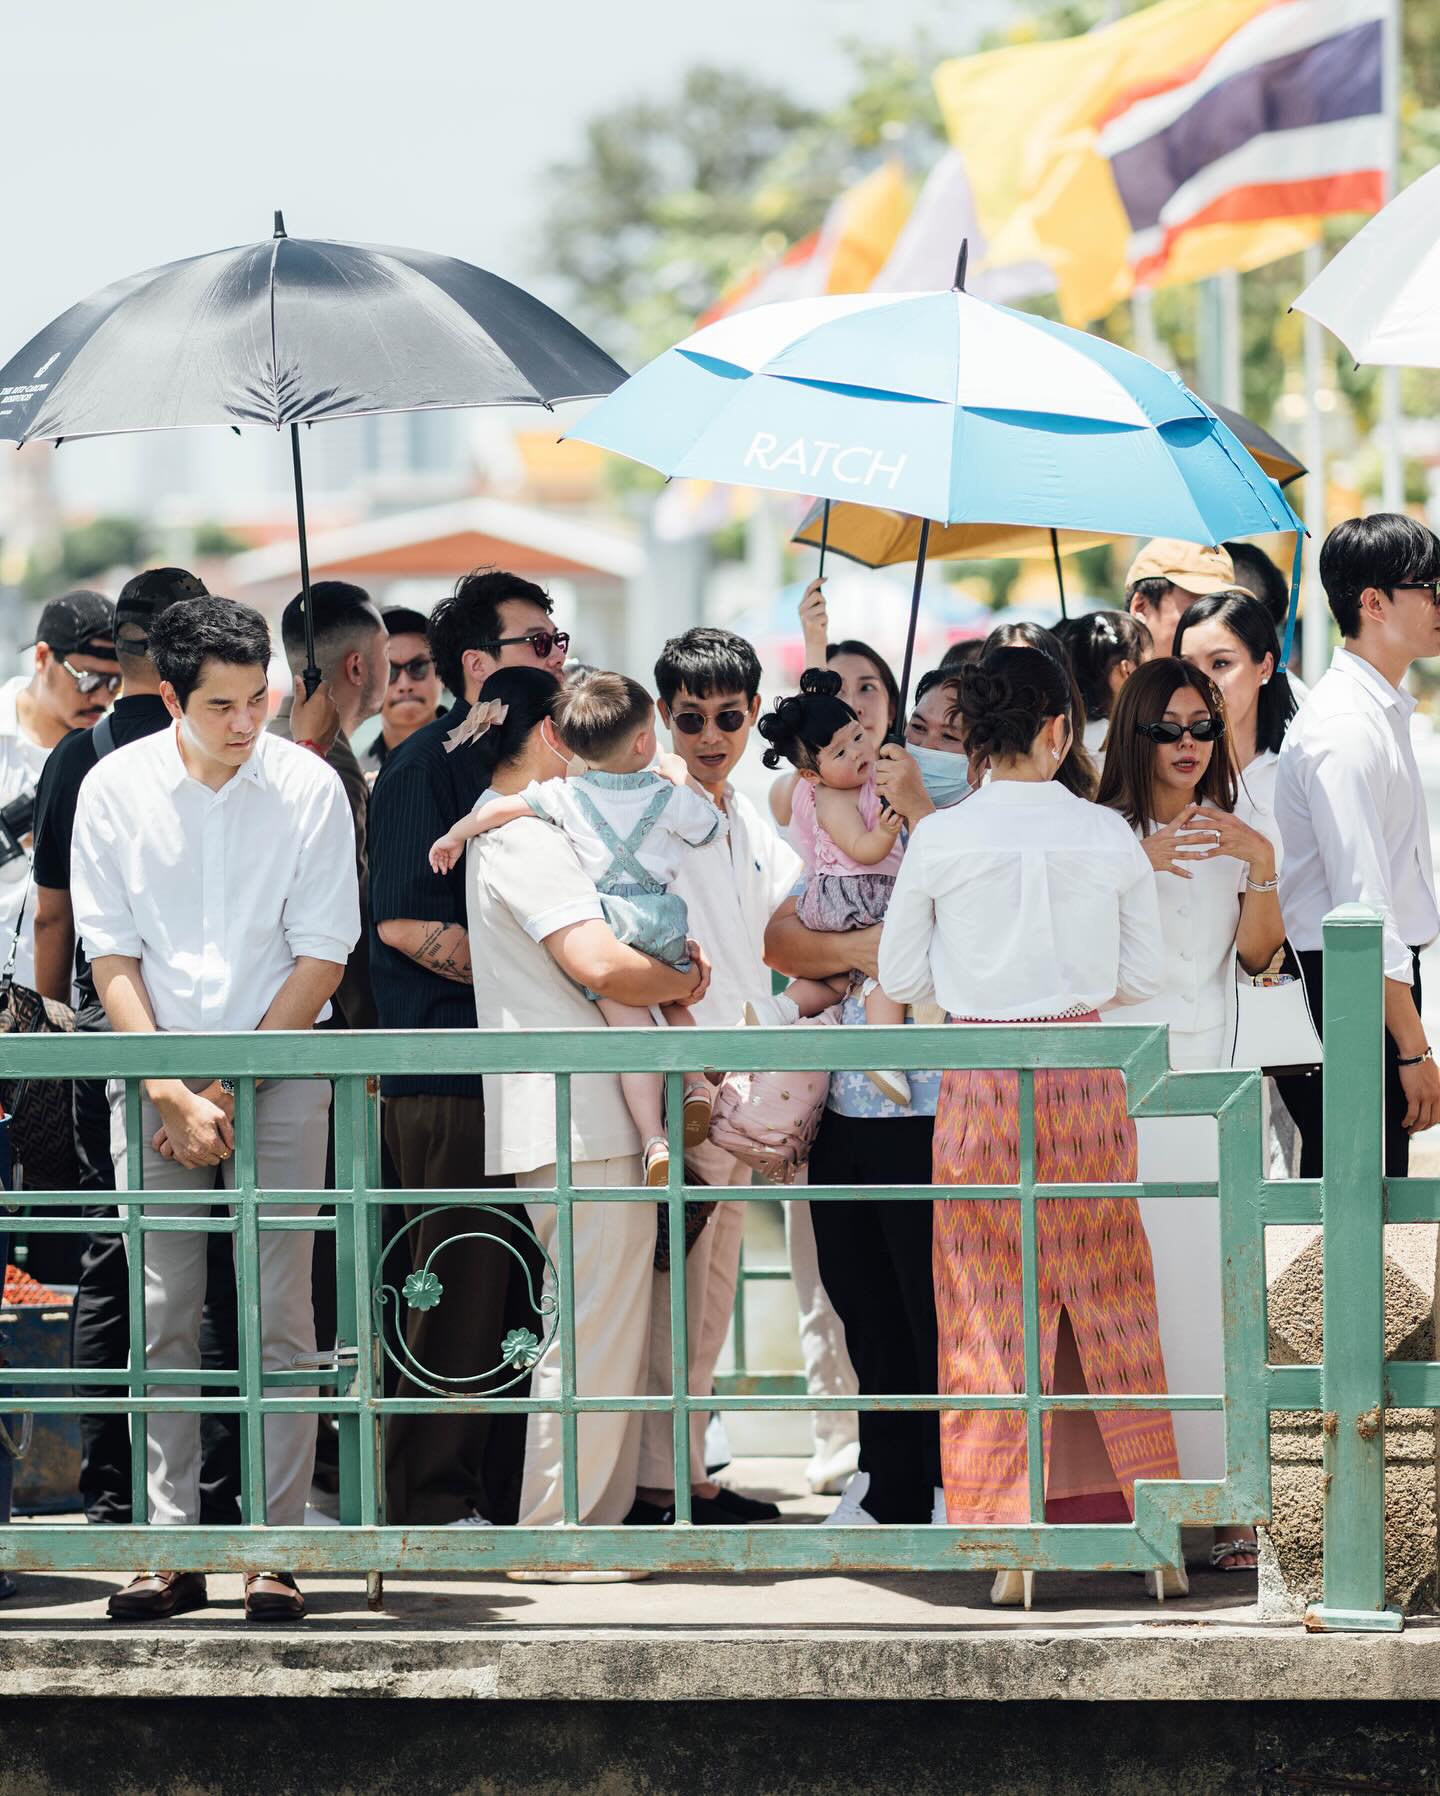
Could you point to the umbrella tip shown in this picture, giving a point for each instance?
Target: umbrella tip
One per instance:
(279, 223)
(958, 286)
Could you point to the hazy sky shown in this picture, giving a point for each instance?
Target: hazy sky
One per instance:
(139, 131)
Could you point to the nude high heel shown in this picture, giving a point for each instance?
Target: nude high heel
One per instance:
(1012, 1587)
(1167, 1580)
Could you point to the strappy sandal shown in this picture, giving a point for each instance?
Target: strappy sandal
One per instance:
(1246, 1550)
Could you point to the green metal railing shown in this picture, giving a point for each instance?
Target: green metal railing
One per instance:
(1351, 1388)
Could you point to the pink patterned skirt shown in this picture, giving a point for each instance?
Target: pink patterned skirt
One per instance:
(1094, 1269)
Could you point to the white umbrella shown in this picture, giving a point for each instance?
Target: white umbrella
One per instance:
(1378, 296)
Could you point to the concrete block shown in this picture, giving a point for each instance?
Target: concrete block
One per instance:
(1291, 1546)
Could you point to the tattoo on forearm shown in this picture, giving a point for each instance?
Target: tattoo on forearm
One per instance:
(449, 958)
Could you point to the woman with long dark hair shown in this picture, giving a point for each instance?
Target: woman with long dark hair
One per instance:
(1169, 773)
(1028, 904)
(1231, 637)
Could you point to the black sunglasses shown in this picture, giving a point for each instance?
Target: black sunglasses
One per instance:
(416, 669)
(1430, 587)
(1204, 729)
(691, 723)
(542, 641)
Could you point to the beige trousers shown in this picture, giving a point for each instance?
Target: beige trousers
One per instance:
(613, 1281)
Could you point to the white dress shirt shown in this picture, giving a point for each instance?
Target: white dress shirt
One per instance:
(21, 759)
(731, 892)
(1023, 902)
(1351, 809)
(216, 894)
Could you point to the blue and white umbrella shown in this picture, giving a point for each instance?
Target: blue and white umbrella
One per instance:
(947, 407)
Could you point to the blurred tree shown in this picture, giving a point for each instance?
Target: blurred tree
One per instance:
(215, 539)
(85, 551)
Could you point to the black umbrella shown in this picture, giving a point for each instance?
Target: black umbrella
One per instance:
(294, 331)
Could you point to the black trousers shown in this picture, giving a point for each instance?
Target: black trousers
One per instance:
(875, 1265)
(1304, 1093)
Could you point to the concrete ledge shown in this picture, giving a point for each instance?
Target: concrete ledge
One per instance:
(1150, 1662)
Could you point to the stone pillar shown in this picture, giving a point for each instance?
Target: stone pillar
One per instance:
(1290, 1547)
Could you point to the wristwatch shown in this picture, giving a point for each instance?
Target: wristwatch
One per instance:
(227, 1086)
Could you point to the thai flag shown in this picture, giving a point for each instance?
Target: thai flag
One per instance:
(1288, 118)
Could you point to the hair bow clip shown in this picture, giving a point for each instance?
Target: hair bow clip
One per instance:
(483, 715)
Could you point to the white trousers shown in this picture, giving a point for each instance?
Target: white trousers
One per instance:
(613, 1284)
(828, 1372)
(291, 1132)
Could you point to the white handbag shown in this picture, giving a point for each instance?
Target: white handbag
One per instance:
(1274, 1028)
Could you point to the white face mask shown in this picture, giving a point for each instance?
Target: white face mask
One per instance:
(573, 764)
(946, 776)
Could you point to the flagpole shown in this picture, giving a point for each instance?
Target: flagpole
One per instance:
(1392, 468)
(1232, 383)
(1316, 653)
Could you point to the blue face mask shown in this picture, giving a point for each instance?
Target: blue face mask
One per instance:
(946, 776)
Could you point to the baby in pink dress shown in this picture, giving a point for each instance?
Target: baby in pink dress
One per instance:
(857, 848)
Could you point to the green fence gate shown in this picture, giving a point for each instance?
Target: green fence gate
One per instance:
(1352, 1387)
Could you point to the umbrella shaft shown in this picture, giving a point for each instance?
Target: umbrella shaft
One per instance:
(311, 674)
(914, 625)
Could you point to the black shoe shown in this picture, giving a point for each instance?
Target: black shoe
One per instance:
(648, 1515)
(732, 1506)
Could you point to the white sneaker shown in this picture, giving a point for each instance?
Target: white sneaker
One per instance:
(828, 1477)
(770, 1013)
(576, 1577)
(938, 1518)
(894, 1086)
(471, 1521)
(848, 1512)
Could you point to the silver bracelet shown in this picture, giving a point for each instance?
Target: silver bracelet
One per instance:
(1262, 885)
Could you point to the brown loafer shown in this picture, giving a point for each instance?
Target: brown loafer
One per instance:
(272, 1596)
(157, 1595)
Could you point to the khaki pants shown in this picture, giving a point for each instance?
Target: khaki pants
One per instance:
(613, 1283)
(291, 1134)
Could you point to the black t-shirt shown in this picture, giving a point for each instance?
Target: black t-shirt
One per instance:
(421, 792)
(59, 789)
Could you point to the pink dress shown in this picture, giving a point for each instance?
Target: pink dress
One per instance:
(840, 893)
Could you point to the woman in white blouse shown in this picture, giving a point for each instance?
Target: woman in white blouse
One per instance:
(1231, 636)
(1025, 903)
(1169, 774)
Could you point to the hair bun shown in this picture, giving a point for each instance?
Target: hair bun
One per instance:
(819, 682)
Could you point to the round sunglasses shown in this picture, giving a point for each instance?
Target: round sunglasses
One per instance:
(691, 723)
(1204, 729)
(415, 669)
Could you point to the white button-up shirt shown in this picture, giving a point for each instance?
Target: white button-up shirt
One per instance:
(1022, 902)
(731, 892)
(21, 759)
(1351, 810)
(216, 894)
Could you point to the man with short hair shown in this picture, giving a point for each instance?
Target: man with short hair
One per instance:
(413, 694)
(100, 1317)
(214, 887)
(708, 682)
(1351, 808)
(1165, 576)
(74, 678)
(448, 1468)
(350, 644)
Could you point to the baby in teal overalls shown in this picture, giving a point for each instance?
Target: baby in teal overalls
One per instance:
(630, 822)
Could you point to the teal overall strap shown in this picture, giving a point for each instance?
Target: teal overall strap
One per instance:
(624, 853)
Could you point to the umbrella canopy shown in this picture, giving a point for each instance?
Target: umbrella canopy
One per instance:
(294, 331)
(1378, 294)
(1274, 458)
(945, 407)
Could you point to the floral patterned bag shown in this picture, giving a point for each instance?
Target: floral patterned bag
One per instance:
(769, 1120)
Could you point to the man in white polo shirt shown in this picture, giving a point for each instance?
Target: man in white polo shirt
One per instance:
(1351, 809)
(213, 882)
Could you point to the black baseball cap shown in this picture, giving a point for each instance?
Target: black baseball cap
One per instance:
(146, 595)
(78, 623)
(404, 620)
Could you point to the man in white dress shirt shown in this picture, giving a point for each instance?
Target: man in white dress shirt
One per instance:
(213, 879)
(1351, 808)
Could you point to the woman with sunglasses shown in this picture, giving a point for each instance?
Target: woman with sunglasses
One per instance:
(1169, 773)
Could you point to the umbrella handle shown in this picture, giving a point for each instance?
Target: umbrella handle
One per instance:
(1059, 575)
(311, 673)
(1294, 601)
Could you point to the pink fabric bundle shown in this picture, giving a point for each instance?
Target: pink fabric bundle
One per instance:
(769, 1120)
